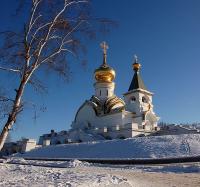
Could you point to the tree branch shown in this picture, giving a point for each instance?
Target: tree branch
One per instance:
(5, 99)
(32, 22)
(10, 69)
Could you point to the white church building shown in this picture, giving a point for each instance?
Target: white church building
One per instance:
(106, 116)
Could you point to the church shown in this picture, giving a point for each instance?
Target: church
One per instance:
(112, 117)
(106, 116)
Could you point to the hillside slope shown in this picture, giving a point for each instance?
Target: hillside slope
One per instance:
(142, 147)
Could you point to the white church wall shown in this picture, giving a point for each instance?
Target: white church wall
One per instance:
(131, 101)
(85, 116)
(138, 120)
(137, 132)
(109, 121)
(127, 117)
(138, 101)
(104, 90)
(46, 142)
(28, 144)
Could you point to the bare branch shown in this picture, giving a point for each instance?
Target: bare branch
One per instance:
(72, 30)
(38, 29)
(53, 23)
(31, 22)
(5, 99)
(35, 20)
(10, 69)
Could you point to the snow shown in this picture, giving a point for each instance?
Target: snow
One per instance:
(32, 175)
(19, 172)
(166, 168)
(141, 147)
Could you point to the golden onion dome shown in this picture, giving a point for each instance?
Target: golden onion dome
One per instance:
(104, 73)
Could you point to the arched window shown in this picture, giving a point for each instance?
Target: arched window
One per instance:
(58, 142)
(107, 92)
(144, 99)
(89, 125)
(100, 92)
(132, 99)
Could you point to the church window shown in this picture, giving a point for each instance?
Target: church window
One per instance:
(143, 117)
(100, 93)
(144, 100)
(133, 99)
(14, 151)
(89, 125)
(107, 92)
(117, 128)
(58, 142)
(108, 138)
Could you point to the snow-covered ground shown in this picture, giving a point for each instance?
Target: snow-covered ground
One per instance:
(16, 171)
(141, 147)
(81, 174)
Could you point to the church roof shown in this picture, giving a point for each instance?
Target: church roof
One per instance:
(137, 81)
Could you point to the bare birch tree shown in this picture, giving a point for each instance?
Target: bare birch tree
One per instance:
(53, 29)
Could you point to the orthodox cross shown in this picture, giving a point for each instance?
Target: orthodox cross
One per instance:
(135, 59)
(104, 46)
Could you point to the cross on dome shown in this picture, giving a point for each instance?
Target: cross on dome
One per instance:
(135, 59)
(136, 64)
(104, 46)
(104, 73)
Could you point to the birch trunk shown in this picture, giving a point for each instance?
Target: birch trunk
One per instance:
(13, 114)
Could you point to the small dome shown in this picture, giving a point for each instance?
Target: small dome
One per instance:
(104, 74)
(136, 65)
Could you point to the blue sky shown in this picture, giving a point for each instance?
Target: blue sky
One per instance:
(166, 37)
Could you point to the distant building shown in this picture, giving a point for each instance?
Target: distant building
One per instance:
(21, 146)
(175, 129)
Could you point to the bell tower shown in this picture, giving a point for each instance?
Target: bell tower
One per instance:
(138, 99)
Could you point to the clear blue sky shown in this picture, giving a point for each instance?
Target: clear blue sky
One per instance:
(166, 37)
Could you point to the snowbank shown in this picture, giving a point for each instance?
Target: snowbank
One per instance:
(141, 147)
(16, 175)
